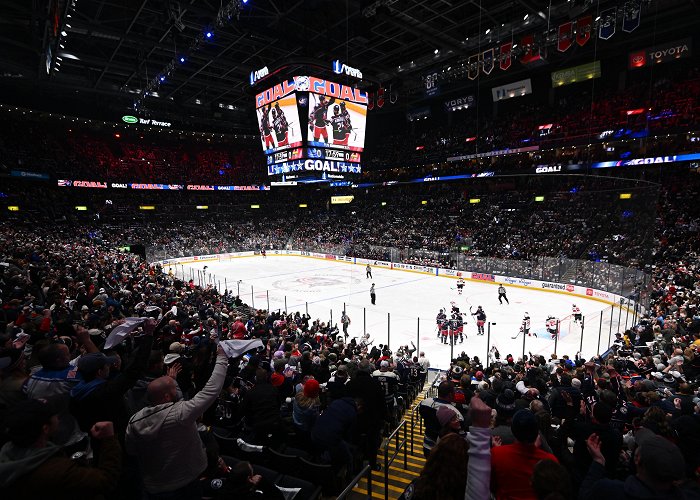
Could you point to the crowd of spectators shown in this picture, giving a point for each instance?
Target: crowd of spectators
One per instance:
(663, 106)
(155, 413)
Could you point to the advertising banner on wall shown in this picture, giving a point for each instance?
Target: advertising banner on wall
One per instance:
(576, 74)
(663, 53)
(515, 89)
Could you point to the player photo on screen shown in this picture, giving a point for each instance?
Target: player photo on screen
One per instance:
(279, 126)
(335, 122)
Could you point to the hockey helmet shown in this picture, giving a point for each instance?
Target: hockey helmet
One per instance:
(336, 109)
(274, 113)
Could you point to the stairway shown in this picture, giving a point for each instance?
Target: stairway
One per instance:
(399, 477)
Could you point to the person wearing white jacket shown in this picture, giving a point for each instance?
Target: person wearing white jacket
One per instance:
(165, 439)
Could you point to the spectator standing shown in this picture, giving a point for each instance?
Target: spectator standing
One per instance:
(165, 440)
(512, 465)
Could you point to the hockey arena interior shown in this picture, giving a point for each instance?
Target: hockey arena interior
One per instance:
(421, 249)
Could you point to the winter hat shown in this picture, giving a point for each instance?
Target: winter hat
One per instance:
(445, 414)
(661, 458)
(505, 403)
(279, 354)
(524, 426)
(479, 375)
(171, 358)
(311, 388)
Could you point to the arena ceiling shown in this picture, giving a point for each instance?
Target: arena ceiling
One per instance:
(116, 47)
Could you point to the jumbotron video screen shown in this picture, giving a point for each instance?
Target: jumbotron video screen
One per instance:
(334, 116)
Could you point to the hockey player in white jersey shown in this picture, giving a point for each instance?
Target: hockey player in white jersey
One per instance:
(551, 325)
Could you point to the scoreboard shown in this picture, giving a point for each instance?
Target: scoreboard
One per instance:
(312, 129)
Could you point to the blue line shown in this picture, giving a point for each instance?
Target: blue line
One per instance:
(355, 293)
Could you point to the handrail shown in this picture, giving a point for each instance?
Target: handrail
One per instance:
(398, 447)
(366, 470)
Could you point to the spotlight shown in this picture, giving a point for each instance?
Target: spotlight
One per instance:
(182, 59)
(209, 34)
(525, 17)
(437, 51)
(488, 31)
(162, 78)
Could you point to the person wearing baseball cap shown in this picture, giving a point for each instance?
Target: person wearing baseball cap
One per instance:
(100, 396)
(31, 466)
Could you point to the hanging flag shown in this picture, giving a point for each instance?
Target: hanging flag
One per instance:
(380, 97)
(487, 61)
(473, 67)
(504, 56)
(393, 95)
(606, 25)
(583, 30)
(370, 101)
(632, 16)
(565, 37)
(531, 52)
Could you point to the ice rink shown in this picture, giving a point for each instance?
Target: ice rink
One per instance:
(406, 299)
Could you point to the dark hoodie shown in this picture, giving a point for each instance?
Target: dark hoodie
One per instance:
(41, 472)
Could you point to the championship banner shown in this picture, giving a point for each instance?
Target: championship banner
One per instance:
(487, 61)
(606, 28)
(584, 26)
(531, 52)
(380, 97)
(565, 36)
(473, 67)
(504, 57)
(632, 15)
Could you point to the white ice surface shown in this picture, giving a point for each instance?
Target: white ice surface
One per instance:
(404, 297)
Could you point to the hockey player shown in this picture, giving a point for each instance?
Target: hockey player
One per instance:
(526, 325)
(460, 285)
(480, 320)
(368, 271)
(576, 312)
(440, 319)
(373, 294)
(318, 119)
(263, 253)
(551, 324)
(280, 125)
(456, 326)
(340, 123)
(266, 128)
(502, 294)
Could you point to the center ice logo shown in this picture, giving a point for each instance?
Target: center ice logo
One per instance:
(314, 283)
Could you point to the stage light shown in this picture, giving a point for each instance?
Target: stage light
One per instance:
(162, 78)
(488, 31)
(209, 34)
(525, 17)
(182, 59)
(64, 33)
(437, 51)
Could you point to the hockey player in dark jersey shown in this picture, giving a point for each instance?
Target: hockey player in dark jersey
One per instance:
(340, 123)
(440, 320)
(318, 119)
(480, 320)
(280, 125)
(456, 326)
(266, 128)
